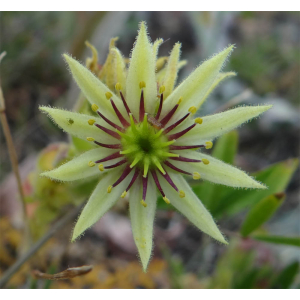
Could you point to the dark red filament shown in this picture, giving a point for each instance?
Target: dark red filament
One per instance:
(117, 164)
(109, 157)
(170, 181)
(110, 122)
(108, 131)
(170, 114)
(112, 146)
(119, 115)
(135, 176)
(125, 173)
(181, 133)
(180, 158)
(167, 163)
(172, 147)
(157, 183)
(142, 106)
(160, 106)
(171, 127)
(145, 185)
(126, 106)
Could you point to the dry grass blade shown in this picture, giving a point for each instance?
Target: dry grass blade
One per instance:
(66, 274)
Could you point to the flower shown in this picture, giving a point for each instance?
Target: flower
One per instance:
(147, 135)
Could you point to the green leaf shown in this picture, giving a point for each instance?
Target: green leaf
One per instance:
(261, 212)
(225, 149)
(286, 277)
(276, 239)
(275, 177)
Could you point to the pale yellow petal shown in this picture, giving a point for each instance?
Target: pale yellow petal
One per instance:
(141, 68)
(190, 206)
(195, 87)
(120, 69)
(100, 202)
(142, 219)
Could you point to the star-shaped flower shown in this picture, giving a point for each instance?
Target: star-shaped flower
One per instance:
(147, 137)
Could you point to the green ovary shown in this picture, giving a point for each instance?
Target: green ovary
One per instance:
(145, 146)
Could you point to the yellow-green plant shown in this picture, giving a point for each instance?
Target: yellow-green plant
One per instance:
(147, 136)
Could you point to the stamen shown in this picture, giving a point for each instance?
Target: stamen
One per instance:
(171, 127)
(205, 161)
(125, 173)
(110, 132)
(119, 115)
(145, 185)
(109, 157)
(198, 120)
(95, 107)
(208, 145)
(196, 176)
(135, 176)
(143, 203)
(118, 86)
(90, 139)
(160, 106)
(109, 188)
(186, 147)
(91, 121)
(192, 109)
(101, 168)
(109, 122)
(154, 175)
(166, 200)
(146, 165)
(124, 194)
(112, 146)
(175, 168)
(181, 133)
(126, 106)
(108, 95)
(181, 194)
(181, 158)
(142, 106)
(91, 164)
(167, 118)
(170, 181)
(117, 164)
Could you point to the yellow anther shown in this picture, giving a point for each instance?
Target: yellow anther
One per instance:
(208, 145)
(181, 194)
(198, 120)
(162, 89)
(95, 107)
(109, 189)
(179, 101)
(196, 176)
(91, 121)
(108, 95)
(90, 139)
(124, 194)
(166, 200)
(205, 161)
(91, 164)
(101, 168)
(142, 84)
(192, 109)
(118, 86)
(143, 203)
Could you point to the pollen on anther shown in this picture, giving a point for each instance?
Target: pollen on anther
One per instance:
(192, 109)
(90, 139)
(181, 194)
(95, 107)
(162, 89)
(108, 95)
(101, 168)
(143, 203)
(198, 120)
(91, 121)
(180, 100)
(91, 164)
(118, 86)
(196, 176)
(208, 145)
(124, 194)
(109, 189)
(142, 84)
(205, 161)
(166, 200)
